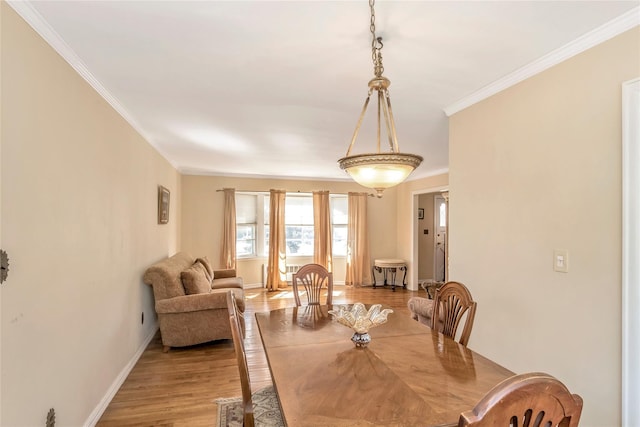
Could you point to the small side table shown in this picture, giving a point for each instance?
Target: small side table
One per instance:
(389, 266)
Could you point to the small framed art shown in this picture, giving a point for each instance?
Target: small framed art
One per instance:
(163, 205)
(420, 213)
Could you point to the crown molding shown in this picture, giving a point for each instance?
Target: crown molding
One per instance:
(599, 35)
(40, 25)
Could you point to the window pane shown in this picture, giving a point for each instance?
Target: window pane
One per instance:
(339, 209)
(299, 240)
(245, 240)
(245, 232)
(340, 240)
(339, 219)
(443, 214)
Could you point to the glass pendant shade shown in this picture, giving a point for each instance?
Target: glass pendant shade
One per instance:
(381, 170)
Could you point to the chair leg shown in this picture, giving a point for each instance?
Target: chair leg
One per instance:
(166, 349)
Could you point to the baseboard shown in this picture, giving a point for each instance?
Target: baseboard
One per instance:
(117, 383)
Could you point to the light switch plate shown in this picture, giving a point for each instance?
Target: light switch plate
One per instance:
(561, 260)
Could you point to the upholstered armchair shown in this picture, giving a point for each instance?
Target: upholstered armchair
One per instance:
(421, 309)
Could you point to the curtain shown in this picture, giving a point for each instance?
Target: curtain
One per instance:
(358, 262)
(277, 266)
(322, 252)
(228, 254)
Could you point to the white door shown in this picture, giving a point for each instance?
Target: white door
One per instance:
(440, 227)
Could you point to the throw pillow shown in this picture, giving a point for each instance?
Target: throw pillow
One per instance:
(194, 280)
(207, 266)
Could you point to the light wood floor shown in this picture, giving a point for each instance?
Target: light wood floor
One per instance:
(178, 388)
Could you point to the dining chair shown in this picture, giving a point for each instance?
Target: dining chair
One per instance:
(313, 278)
(451, 302)
(532, 399)
(269, 406)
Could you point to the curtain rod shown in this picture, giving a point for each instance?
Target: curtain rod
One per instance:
(287, 191)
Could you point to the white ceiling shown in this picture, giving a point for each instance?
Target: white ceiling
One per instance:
(274, 88)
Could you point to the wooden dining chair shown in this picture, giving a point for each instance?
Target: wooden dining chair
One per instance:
(313, 278)
(241, 356)
(533, 399)
(267, 397)
(451, 302)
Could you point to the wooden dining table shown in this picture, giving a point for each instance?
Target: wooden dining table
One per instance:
(409, 375)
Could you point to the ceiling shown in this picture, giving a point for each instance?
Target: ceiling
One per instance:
(274, 88)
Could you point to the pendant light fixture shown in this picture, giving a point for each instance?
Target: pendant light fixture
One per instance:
(379, 170)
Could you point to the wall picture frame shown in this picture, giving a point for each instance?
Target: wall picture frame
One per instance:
(420, 213)
(163, 204)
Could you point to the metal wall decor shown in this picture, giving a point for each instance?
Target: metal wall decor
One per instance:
(163, 205)
(4, 266)
(51, 418)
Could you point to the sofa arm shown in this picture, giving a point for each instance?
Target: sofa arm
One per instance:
(195, 302)
(223, 274)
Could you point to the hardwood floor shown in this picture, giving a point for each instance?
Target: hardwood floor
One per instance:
(178, 388)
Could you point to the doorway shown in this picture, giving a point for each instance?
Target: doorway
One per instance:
(441, 249)
(430, 236)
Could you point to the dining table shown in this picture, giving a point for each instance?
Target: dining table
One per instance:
(408, 375)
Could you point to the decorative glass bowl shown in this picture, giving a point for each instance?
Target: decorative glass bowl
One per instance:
(361, 320)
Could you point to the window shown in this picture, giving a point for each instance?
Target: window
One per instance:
(252, 222)
(339, 216)
(442, 217)
(246, 214)
(265, 230)
(298, 228)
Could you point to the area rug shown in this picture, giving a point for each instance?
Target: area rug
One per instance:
(266, 410)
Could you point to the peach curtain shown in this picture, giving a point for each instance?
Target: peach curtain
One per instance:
(322, 252)
(277, 266)
(228, 254)
(358, 262)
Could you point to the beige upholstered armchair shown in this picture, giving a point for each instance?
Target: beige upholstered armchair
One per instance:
(452, 302)
(191, 300)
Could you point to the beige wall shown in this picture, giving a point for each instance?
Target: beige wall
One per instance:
(533, 169)
(202, 210)
(79, 221)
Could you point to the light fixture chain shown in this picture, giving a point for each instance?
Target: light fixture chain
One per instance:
(376, 43)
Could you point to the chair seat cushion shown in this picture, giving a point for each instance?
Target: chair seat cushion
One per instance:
(390, 263)
(227, 282)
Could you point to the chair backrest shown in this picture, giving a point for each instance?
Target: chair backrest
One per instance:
(532, 399)
(313, 278)
(241, 355)
(452, 301)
